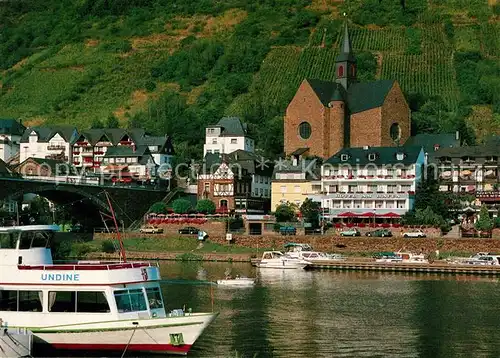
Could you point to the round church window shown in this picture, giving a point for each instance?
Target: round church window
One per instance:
(395, 132)
(304, 130)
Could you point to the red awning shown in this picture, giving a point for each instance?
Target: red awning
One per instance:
(367, 215)
(390, 215)
(348, 214)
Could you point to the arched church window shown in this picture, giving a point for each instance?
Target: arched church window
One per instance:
(304, 130)
(340, 72)
(395, 132)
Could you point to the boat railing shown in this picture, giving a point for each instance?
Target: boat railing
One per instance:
(90, 266)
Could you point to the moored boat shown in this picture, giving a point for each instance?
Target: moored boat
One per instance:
(237, 282)
(276, 259)
(116, 306)
(306, 252)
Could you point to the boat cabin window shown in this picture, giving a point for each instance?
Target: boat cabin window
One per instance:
(31, 239)
(81, 301)
(22, 301)
(8, 240)
(154, 298)
(130, 300)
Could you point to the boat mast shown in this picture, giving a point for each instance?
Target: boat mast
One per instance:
(118, 236)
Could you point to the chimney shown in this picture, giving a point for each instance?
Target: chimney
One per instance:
(426, 158)
(457, 135)
(366, 147)
(295, 161)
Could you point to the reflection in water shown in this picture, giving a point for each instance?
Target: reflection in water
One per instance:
(299, 313)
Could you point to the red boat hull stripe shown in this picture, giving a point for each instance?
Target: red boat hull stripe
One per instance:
(184, 349)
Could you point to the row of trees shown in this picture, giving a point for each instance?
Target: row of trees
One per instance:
(184, 206)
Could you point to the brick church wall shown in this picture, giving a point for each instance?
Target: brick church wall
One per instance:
(305, 106)
(395, 110)
(365, 128)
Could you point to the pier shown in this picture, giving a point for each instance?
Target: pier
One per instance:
(438, 267)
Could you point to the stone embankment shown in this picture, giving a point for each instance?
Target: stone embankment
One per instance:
(342, 244)
(177, 256)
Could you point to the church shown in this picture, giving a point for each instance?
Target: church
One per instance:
(326, 116)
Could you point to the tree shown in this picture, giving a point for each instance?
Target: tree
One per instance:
(285, 212)
(96, 124)
(158, 208)
(181, 206)
(310, 211)
(205, 206)
(112, 121)
(484, 223)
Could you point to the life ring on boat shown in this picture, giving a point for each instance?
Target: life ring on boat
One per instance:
(144, 274)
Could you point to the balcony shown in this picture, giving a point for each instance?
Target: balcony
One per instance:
(493, 195)
(367, 195)
(76, 162)
(367, 177)
(82, 144)
(77, 152)
(87, 154)
(56, 147)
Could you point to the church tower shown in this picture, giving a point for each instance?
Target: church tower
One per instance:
(345, 63)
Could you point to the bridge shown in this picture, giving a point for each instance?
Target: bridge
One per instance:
(85, 201)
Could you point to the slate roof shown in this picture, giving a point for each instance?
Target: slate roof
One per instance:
(164, 143)
(472, 151)
(11, 126)
(286, 166)
(123, 151)
(384, 156)
(250, 162)
(359, 97)
(60, 167)
(428, 141)
(46, 133)
(113, 135)
(232, 126)
(4, 169)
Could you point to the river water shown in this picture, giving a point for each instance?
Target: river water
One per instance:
(299, 313)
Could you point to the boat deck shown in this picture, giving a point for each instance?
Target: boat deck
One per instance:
(87, 266)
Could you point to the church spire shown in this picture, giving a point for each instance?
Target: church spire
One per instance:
(345, 63)
(346, 53)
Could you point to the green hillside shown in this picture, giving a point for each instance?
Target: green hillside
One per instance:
(174, 67)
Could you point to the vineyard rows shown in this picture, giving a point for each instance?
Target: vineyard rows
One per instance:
(391, 39)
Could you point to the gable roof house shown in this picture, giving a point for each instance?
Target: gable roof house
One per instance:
(228, 135)
(11, 132)
(239, 181)
(326, 116)
(47, 142)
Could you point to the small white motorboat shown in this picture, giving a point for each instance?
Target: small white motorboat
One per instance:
(276, 259)
(237, 282)
(15, 342)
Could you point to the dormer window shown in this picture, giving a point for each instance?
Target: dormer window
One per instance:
(491, 159)
(436, 147)
(344, 157)
(372, 156)
(234, 140)
(400, 156)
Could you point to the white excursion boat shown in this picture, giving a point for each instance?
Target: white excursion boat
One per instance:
(237, 282)
(305, 252)
(115, 306)
(276, 259)
(15, 342)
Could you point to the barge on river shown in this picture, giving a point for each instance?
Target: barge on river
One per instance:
(115, 306)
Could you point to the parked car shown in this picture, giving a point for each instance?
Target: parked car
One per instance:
(288, 230)
(350, 232)
(189, 230)
(151, 230)
(415, 233)
(379, 233)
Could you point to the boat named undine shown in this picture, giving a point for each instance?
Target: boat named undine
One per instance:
(88, 305)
